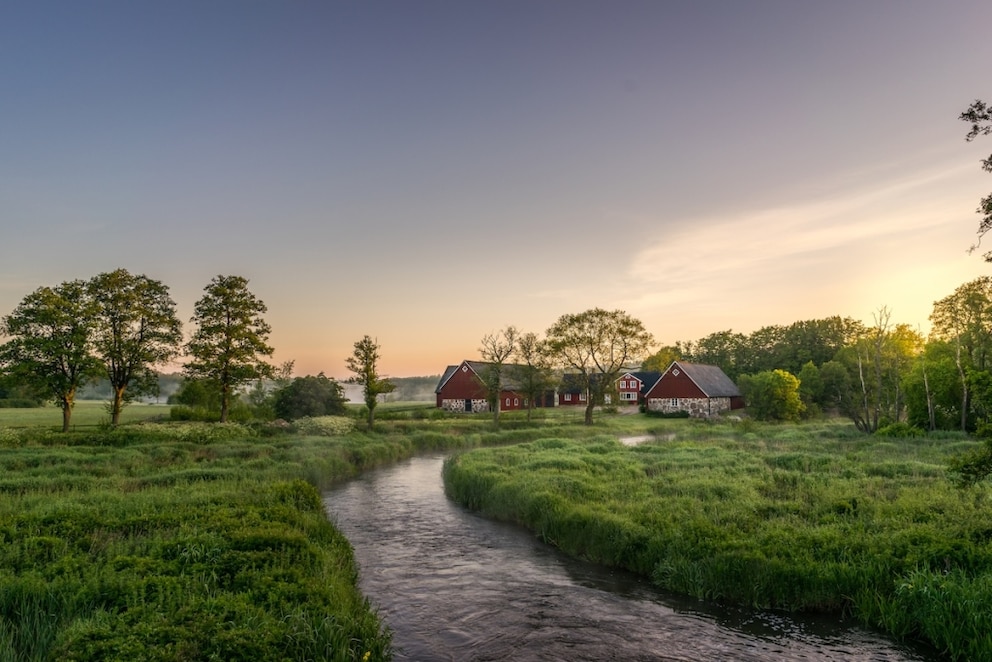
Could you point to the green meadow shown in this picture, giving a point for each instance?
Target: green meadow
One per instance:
(86, 414)
(814, 517)
(194, 541)
(191, 541)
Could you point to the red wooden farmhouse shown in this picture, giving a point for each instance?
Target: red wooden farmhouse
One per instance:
(462, 389)
(631, 384)
(701, 390)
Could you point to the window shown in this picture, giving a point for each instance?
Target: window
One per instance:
(568, 397)
(582, 397)
(628, 395)
(508, 402)
(623, 383)
(674, 402)
(516, 401)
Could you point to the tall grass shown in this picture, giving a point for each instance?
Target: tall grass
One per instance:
(813, 517)
(182, 541)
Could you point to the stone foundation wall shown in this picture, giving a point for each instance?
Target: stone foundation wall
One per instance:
(697, 407)
(459, 406)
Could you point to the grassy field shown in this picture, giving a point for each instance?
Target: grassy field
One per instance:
(188, 541)
(165, 541)
(811, 517)
(86, 414)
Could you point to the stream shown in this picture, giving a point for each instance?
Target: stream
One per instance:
(452, 585)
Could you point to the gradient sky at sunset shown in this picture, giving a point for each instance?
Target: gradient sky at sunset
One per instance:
(428, 172)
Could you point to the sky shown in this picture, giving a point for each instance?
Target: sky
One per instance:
(429, 172)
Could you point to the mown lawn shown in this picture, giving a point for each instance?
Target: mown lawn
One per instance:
(86, 414)
(809, 517)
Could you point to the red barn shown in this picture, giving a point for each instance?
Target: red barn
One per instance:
(462, 389)
(701, 390)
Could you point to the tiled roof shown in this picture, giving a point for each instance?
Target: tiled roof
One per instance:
(710, 379)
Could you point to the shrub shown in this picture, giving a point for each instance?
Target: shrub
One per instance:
(900, 430)
(324, 426)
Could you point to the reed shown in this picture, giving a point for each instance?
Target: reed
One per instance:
(807, 517)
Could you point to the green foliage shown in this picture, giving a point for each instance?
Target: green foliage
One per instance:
(979, 116)
(810, 518)
(772, 396)
(661, 360)
(364, 362)
(231, 338)
(201, 393)
(593, 347)
(324, 426)
(51, 332)
(309, 396)
(899, 430)
(136, 328)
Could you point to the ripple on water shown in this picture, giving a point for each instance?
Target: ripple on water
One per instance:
(454, 586)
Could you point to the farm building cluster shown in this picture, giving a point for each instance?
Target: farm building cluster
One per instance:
(701, 391)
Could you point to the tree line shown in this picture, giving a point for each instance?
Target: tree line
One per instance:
(876, 374)
(118, 326)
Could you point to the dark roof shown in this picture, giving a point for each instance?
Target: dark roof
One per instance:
(479, 367)
(647, 378)
(710, 379)
(573, 382)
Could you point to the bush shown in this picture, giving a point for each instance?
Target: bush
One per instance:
(324, 426)
(18, 403)
(670, 414)
(900, 430)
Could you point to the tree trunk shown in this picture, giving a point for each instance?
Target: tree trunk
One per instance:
(589, 408)
(223, 404)
(964, 387)
(115, 407)
(67, 410)
(926, 388)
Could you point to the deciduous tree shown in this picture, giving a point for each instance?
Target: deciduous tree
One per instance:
(964, 318)
(51, 332)
(364, 362)
(231, 338)
(772, 395)
(496, 349)
(979, 115)
(310, 396)
(533, 370)
(136, 330)
(662, 359)
(595, 346)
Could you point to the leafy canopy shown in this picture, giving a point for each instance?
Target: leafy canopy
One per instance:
(231, 339)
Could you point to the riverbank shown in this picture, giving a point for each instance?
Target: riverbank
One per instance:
(814, 517)
(164, 541)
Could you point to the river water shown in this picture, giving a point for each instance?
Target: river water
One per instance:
(454, 586)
